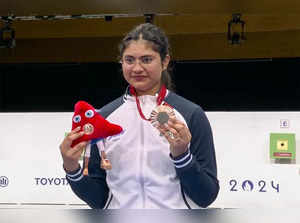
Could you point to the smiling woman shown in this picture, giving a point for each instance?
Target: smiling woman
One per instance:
(145, 58)
(142, 67)
(170, 164)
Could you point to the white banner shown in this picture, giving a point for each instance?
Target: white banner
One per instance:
(248, 177)
(31, 165)
(30, 161)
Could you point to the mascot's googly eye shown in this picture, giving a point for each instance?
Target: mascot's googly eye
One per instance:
(89, 113)
(77, 118)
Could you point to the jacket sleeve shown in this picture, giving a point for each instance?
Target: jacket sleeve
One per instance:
(197, 168)
(93, 188)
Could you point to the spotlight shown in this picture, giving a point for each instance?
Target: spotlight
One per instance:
(149, 18)
(108, 18)
(7, 34)
(76, 16)
(236, 29)
(45, 17)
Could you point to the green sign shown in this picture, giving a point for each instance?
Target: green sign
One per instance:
(282, 146)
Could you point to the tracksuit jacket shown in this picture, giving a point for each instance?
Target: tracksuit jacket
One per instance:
(144, 174)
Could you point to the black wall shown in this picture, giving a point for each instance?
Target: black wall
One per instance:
(254, 85)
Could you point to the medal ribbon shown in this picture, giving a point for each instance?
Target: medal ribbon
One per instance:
(159, 99)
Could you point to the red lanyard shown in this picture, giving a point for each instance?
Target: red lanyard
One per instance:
(159, 100)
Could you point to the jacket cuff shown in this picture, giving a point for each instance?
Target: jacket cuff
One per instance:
(75, 175)
(182, 160)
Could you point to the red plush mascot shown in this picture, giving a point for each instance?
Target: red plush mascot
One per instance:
(95, 128)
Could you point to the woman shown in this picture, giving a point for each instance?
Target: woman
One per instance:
(165, 161)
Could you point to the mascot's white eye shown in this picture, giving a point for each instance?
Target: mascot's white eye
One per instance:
(89, 113)
(77, 118)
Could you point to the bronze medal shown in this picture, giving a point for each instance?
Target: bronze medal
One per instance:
(162, 117)
(161, 114)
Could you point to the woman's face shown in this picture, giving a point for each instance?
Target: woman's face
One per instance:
(142, 67)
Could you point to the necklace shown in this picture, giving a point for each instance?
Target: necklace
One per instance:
(159, 100)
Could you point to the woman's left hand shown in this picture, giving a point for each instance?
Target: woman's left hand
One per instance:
(177, 134)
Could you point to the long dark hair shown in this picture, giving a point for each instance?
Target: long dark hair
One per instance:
(159, 42)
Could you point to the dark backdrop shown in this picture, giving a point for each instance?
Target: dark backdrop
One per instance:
(238, 85)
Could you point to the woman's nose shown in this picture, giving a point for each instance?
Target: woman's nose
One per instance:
(137, 67)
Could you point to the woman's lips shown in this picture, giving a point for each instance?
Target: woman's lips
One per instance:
(139, 78)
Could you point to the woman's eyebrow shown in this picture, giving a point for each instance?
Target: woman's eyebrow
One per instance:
(147, 55)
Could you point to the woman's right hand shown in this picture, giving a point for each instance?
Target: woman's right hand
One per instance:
(70, 154)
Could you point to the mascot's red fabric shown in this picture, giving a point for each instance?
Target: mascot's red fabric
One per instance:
(92, 123)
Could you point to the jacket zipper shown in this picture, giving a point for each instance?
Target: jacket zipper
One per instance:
(142, 165)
